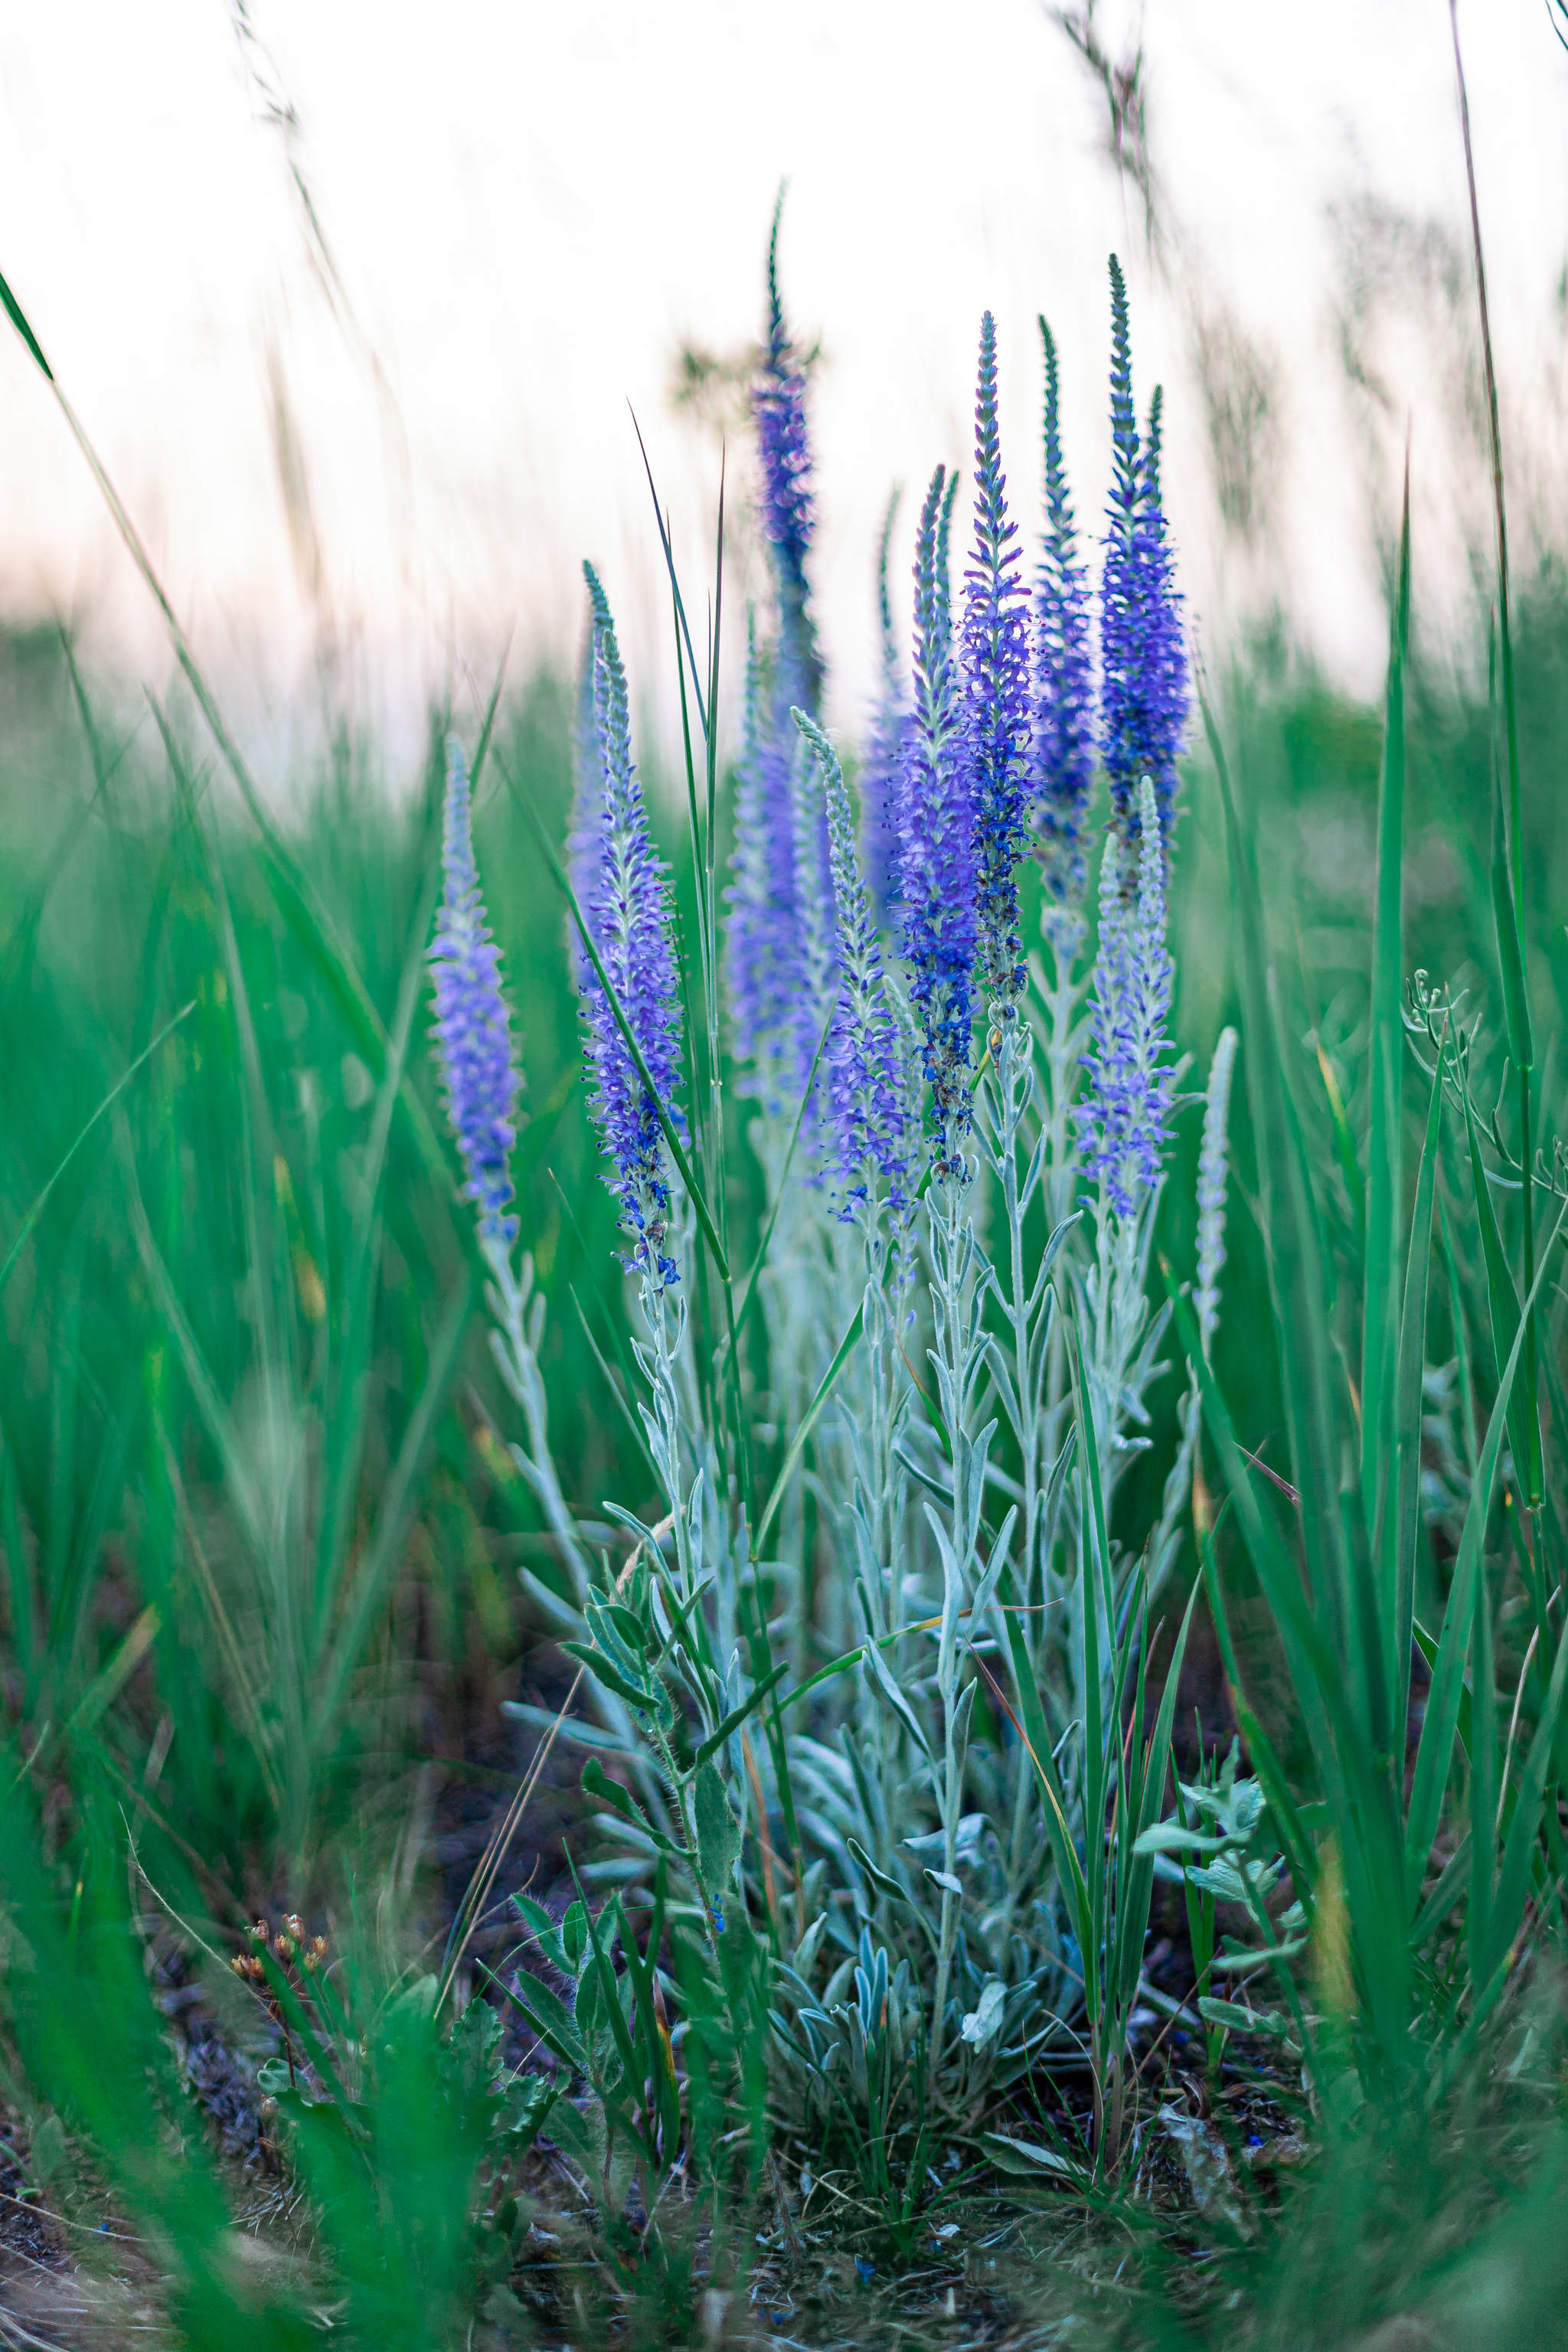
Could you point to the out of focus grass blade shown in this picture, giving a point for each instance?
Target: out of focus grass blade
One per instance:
(41, 1200)
(375, 1568)
(808, 1423)
(1439, 1722)
(299, 903)
(1409, 1404)
(1297, 1270)
(1384, 1189)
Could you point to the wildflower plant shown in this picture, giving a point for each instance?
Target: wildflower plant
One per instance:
(818, 1836)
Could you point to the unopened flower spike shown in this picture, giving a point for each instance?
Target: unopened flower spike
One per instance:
(937, 867)
(1143, 683)
(816, 942)
(1125, 1118)
(868, 1080)
(994, 689)
(627, 914)
(879, 773)
(481, 1078)
(760, 935)
(587, 792)
(771, 887)
(1063, 748)
(1213, 1165)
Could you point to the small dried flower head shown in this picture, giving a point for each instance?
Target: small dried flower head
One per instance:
(295, 1925)
(246, 1965)
(315, 1952)
(283, 1948)
(260, 1932)
(474, 1044)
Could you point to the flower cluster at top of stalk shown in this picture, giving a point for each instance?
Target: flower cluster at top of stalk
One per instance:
(994, 692)
(1144, 674)
(480, 1075)
(780, 882)
(937, 862)
(625, 907)
(1124, 1119)
(788, 507)
(867, 1078)
(1063, 683)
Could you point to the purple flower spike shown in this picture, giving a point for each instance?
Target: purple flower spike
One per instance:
(994, 688)
(937, 867)
(481, 1077)
(1124, 1121)
(868, 1080)
(788, 509)
(1143, 691)
(627, 914)
(1064, 699)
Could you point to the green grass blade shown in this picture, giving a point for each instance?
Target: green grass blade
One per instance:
(1297, 1270)
(1440, 1720)
(1514, 1881)
(367, 1591)
(1408, 1408)
(808, 1422)
(1384, 1189)
(40, 1201)
(750, 1292)
(1502, 1297)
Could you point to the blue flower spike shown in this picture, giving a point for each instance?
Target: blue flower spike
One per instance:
(1063, 751)
(994, 688)
(1143, 665)
(938, 876)
(481, 1075)
(627, 912)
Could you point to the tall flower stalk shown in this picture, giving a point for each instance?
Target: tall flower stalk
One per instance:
(629, 914)
(885, 747)
(995, 695)
(1143, 688)
(938, 872)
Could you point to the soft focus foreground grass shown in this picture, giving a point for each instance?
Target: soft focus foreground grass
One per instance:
(259, 1539)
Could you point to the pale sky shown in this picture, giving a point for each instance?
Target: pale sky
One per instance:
(532, 206)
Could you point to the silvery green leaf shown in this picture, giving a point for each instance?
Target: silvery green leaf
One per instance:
(810, 1944)
(889, 1689)
(993, 1567)
(1023, 2157)
(718, 1830)
(984, 2021)
(878, 1878)
(945, 1879)
(933, 1486)
(963, 1716)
